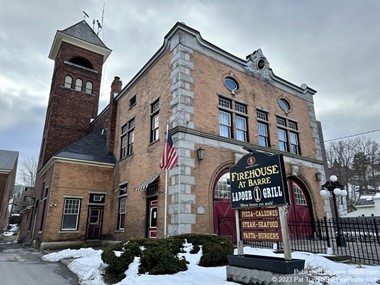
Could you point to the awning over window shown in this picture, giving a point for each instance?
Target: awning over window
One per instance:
(146, 183)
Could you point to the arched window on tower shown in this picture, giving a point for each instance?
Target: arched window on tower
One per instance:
(68, 81)
(81, 61)
(78, 84)
(88, 87)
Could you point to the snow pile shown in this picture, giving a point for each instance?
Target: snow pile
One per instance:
(88, 269)
(71, 253)
(88, 266)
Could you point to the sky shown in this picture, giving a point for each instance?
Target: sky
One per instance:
(332, 46)
(87, 265)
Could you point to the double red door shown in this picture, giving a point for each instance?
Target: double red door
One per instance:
(299, 214)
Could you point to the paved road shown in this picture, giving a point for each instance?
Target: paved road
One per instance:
(23, 266)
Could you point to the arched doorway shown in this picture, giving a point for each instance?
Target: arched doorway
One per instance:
(224, 215)
(299, 211)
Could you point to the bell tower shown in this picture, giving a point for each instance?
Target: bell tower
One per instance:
(78, 55)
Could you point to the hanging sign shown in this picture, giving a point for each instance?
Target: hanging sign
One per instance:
(258, 180)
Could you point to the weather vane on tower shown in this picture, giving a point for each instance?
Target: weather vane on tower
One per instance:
(99, 23)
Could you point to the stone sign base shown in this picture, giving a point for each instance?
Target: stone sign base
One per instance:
(247, 276)
(256, 269)
(268, 263)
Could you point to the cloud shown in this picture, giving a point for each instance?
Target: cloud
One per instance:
(332, 46)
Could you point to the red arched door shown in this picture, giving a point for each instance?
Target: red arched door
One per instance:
(224, 215)
(299, 211)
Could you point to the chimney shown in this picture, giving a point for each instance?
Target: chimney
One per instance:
(115, 89)
(116, 85)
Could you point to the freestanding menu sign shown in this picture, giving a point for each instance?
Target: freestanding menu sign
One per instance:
(259, 190)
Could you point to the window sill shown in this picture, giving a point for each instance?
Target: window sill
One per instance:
(126, 157)
(119, 231)
(68, 232)
(152, 143)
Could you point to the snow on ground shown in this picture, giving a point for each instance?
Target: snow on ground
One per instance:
(7, 234)
(87, 264)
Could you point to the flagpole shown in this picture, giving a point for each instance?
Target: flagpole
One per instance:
(166, 190)
(166, 202)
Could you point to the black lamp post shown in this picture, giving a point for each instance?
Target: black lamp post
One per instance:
(336, 189)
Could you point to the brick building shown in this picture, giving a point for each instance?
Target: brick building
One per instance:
(99, 176)
(8, 170)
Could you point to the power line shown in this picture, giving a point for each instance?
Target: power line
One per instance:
(354, 135)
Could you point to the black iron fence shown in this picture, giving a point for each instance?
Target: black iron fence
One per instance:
(357, 239)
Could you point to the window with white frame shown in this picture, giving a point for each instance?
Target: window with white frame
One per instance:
(263, 127)
(154, 121)
(122, 206)
(89, 87)
(223, 187)
(299, 197)
(241, 122)
(288, 136)
(293, 134)
(127, 138)
(78, 84)
(230, 110)
(71, 211)
(122, 210)
(225, 124)
(68, 81)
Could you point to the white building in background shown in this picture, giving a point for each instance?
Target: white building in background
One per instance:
(367, 206)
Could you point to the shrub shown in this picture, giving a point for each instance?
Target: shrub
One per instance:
(108, 252)
(133, 248)
(160, 260)
(160, 256)
(214, 249)
(116, 264)
(215, 253)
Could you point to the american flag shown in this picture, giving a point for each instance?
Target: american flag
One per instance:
(169, 156)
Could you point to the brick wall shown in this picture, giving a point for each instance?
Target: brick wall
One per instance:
(144, 163)
(70, 111)
(76, 180)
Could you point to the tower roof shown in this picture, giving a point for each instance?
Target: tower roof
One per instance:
(84, 32)
(80, 34)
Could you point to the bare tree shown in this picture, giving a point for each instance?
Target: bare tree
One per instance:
(28, 171)
(360, 168)
(340, 156)
(354, 161)
(371, 151)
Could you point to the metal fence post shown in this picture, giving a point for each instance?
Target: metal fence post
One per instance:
(327, 232)
(376, 231)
